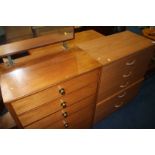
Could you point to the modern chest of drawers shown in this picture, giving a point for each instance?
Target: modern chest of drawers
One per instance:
(123, 69)
(78, 87)
(42, 110)
(57, 93)
(120, 82)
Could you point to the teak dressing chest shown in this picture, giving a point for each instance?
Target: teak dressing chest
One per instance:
(74, 88)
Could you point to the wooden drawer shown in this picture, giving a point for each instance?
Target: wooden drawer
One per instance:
(106, 107)
(47, 109)
(54, 106)
(76, 117)
(50, 94)
(122, 73)
(75, 121)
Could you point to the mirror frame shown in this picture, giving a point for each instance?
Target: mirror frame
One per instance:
(27, 44)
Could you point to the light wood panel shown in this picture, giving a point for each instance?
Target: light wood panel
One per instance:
(122, 73)
(116, 101)
(48, 95)
(56, 104)
(82, 118)
(114, 47)
(40, 113)
(41, 75)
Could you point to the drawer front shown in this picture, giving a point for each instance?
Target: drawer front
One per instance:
(73, 111)
(53, 93)
(106, 107)
(74, 123)
(80, 120)
(60, 104)
(122, 73)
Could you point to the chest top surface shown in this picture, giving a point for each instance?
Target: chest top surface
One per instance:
(46, 66)
(43, 73)
(111, 48)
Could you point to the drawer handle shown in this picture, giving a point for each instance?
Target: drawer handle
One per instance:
(127, 75)
(121, 96)
(118, 105)
(64, 114)
(63, 104)
(62, 91)
(125, 85)
(66, 125)
(130, 63)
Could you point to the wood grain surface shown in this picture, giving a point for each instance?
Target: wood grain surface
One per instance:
(114, 47)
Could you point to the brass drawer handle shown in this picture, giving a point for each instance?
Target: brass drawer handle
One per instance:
(125, 85)
(63, 104)
(130, 63)
(118, 105)
(123, 95)
(62, 91)
(66, 125)
(127, 75)
(64, 114)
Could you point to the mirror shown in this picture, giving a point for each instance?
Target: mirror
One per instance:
(15, 39)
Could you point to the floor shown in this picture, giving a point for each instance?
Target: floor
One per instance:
(138, 114)
(6, 121)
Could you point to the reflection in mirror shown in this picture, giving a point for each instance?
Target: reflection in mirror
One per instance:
(10, 34)
(16, 39)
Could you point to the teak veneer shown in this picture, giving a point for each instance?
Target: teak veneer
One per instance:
(55, 87)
